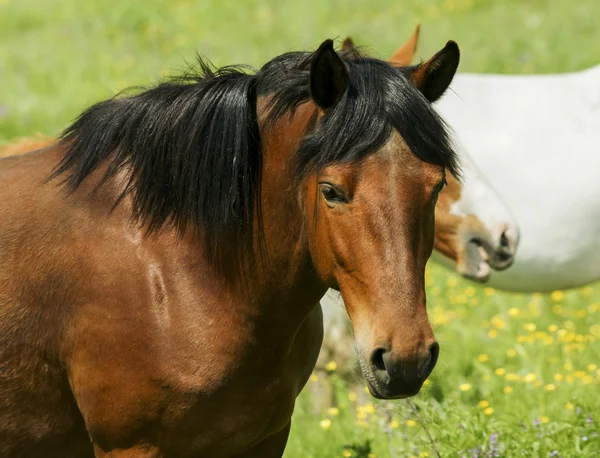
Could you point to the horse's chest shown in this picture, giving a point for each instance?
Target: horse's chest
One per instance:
(228, 407)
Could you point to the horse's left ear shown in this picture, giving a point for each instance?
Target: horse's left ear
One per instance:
(433, 77)
(328, 78)
(405, 54)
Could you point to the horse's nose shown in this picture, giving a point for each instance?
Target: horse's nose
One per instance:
(398, 376)
(506, 248)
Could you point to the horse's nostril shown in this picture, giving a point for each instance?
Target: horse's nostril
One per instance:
(377, 359)
(504, 242)
(434, 352)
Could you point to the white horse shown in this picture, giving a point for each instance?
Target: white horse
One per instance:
(536, 138)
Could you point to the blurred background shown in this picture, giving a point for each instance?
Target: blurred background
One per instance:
(518, 374)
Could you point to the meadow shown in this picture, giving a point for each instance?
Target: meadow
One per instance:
(518, 375)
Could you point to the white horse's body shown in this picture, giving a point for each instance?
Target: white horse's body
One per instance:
(537, 141)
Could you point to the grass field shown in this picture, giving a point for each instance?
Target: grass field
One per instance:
(518, 374)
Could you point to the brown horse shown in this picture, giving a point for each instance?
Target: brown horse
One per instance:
(165, 301)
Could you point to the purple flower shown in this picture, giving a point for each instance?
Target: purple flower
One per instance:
(494, 452)
(476, 452)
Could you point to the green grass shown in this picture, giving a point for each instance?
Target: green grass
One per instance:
(58, 57)
(523, 367)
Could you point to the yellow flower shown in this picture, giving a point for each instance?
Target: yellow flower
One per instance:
(371, 455)
(482, 358)
(580, 313)
(512, 377)
(423, 455)
(393, 424)
(452, 281)
(314, 378)
(587, 290)
(579, 374)
(369, 408)
(529, 327)
(570, 378)
(511, 352)
(483, 404)
(346, 453)
(464, 387)
(544, 419)
(352, 396)
(325, 424)
(500, 372)
(507, 389)
(470, 291)
(592, 367)
(333, 411)
(492, 334)
(552, 328)
(569, 406)
(593, 308)
(331, 366)
(498, 322)
(513, 311)
(550, 387)
(489, 291)
(411, 423)
(361, 414)
(530, 377)
(568, 367)
(557, 309)
(588, 380)
(488, 411)
(557, 296)
(558, 377)
(426, 382)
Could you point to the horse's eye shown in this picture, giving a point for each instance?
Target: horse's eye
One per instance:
(438, 189)
(332, 194)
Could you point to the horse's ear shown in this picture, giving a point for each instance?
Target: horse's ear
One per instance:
(405, 54)
(433, 77)
(328, 76)
(348, 45)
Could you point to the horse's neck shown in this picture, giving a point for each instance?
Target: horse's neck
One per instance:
(287, 279)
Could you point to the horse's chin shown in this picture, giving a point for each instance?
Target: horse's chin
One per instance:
(474, 265)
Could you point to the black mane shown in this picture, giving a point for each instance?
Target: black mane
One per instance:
(380, 99)
(192, 149)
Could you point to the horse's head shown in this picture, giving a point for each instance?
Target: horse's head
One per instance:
(474, 229)
(373, 166)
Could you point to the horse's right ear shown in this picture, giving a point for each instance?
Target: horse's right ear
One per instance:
(328, 78)
(433, 77)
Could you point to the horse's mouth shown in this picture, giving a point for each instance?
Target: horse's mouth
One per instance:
(474, 264)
